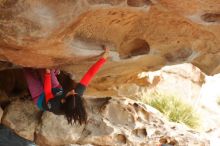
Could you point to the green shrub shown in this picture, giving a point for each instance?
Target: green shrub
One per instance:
(174, 108)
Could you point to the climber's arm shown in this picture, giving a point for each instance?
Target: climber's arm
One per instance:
(94, 69)
(47, 85)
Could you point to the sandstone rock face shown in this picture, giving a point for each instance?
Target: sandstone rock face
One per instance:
(41, 33)
(22, 116)
(183, 80)
(217, 70)
(112, 121)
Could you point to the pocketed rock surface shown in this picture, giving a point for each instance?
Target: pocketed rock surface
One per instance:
(112, 121)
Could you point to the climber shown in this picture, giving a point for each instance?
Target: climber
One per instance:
(66, 100)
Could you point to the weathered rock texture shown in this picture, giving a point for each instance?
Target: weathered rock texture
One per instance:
(183, 80)
(22, 116)
(41, 33)
(111, 122)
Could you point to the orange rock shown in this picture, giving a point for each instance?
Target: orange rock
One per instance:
(41, 33)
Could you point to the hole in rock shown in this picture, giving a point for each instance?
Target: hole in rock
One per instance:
(168, 140)
(135, 47)
(179, 55)
(211, 17)
(99, 103)
(140, 132)
(138, 3)
(12, 83)
(121, 139)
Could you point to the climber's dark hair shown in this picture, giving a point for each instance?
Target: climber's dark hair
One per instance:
(66, 81)
(73, 107)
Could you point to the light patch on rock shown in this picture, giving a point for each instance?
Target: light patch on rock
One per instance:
(209, 97)
(210, 90)
(44, 15)
(197, 19)
(84, 48)
(193, 56)
(114, 56)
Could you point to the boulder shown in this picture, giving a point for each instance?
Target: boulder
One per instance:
(22, 117)
(182, 80)
(114, 121)
(111, 121)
